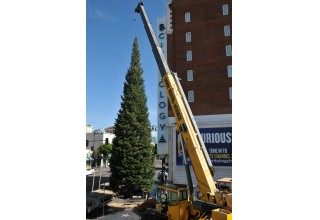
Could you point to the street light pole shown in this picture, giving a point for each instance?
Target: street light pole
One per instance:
(94, 140)
(95, 156)
(95, 150)
(100, 176)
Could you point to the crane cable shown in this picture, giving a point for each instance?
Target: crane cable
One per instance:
(135, 25)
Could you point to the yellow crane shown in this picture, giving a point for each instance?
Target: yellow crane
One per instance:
(178, 201)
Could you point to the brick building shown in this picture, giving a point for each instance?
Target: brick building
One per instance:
(198, 48)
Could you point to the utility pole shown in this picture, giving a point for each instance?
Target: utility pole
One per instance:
(95, 150)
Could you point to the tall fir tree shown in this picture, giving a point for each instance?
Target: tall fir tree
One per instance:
(132, 160)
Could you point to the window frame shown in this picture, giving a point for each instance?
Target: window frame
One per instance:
(187, 17)
(228, 50)
(183, 195)
(191, 96)
(189, 75)
(229, 70)
(189, 55)
(188, 37)
(173, 198)
(226, 29)
(225, 9)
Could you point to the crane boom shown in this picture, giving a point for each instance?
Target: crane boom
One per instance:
(185, 123)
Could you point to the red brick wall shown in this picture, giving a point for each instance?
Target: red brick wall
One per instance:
(209, 61)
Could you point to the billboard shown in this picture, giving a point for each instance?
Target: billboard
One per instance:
(218, 142)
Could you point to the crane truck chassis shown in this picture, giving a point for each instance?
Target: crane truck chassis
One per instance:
(178, 201)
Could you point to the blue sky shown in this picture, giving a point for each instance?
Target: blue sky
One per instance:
(110, 31)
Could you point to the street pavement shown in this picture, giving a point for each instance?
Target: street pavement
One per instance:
(114, 214)
(126, 214)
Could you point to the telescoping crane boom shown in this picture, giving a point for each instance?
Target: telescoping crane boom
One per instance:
(173, 199)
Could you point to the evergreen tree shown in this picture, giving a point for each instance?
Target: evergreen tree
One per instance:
(132, 160)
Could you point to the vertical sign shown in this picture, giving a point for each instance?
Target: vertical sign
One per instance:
(162, 147)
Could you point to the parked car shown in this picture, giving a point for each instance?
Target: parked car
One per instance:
(89, 171)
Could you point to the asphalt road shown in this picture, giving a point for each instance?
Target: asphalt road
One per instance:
(126, 214)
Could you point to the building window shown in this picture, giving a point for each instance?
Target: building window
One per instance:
(227, 30)
(228, 50)
(189, 55)
(187, 17)
(229, 67)
(230, 92)
(190, 75)
(225, 10)
(190, 96)
(188, 37)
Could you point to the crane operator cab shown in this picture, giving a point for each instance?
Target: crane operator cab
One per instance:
(172, 201)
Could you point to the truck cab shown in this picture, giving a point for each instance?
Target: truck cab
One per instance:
(172, 200)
